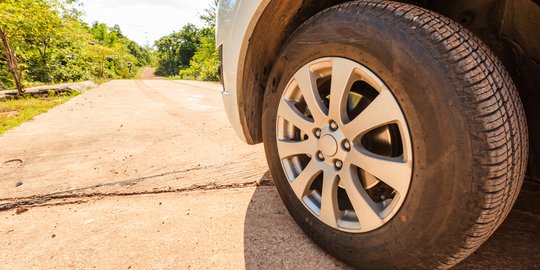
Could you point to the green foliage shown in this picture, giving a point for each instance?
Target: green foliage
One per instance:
(115, 55)
(53, 45)
(191, 54)
(6, 82)
(204, 64)
(176, 50)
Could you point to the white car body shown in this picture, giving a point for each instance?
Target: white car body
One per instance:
(236, 21)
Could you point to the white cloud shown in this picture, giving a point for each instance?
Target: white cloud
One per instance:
(145, 20)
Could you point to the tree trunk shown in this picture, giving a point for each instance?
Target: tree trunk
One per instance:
(13, 66)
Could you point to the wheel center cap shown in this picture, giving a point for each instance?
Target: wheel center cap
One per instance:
(328, 145)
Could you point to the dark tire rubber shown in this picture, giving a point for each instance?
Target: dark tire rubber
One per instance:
(466, 122)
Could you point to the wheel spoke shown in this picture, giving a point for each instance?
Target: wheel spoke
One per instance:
(289, 112)
(303, 181)
(382, 111)
(310, 127)
(329, 201)
(307, 83)
(366, 210)
(342, 80)
(393, 171)
(288, 148)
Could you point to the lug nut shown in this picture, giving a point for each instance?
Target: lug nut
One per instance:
(333, 125)
(347, 145)
(318, 133)
(320, 155)
(339, 164)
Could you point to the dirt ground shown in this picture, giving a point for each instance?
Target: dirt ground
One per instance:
(149, 74)
(149, 174)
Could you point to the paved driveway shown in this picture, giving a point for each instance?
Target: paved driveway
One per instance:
(149, 174)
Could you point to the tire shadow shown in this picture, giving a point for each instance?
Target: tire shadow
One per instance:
(272, 240)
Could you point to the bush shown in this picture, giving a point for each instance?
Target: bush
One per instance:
(53, 45)
(204, 64)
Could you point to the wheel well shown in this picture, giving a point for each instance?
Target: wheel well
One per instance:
(508, 27)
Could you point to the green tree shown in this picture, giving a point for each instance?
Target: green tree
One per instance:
(110, 52)
(175, 51)
(45, 41)
(10, 57)
(205, 62)
(25, 25)
(6, 78)
(69, 59)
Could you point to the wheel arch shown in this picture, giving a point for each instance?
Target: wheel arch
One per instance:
(279, 19)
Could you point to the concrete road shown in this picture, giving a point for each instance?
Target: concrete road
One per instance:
(149, 174)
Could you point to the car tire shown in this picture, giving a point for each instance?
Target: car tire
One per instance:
(463, 121)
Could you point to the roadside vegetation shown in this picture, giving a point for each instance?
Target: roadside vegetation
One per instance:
(45, 41)
(190, 53)
(17, 111)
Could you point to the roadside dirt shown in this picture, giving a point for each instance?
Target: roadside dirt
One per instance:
(149, 174)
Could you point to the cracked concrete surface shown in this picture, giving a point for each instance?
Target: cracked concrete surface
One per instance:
(128, 136)
(149, 174)
(142, 174)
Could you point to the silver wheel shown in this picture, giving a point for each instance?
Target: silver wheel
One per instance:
(344, 144)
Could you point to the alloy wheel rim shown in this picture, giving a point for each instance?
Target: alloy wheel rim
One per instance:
(344, 144)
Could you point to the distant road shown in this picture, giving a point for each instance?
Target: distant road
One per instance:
(149, 74)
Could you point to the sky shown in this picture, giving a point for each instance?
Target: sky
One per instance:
(145, 21)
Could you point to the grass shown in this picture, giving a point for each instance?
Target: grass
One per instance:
(15, 112)
(100, 81)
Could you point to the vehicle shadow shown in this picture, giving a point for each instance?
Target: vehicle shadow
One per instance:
(272, 240)
(516, 244)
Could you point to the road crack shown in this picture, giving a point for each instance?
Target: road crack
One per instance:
(77, 196)
(44, 200)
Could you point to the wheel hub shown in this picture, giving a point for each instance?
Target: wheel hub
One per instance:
(328, 145)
